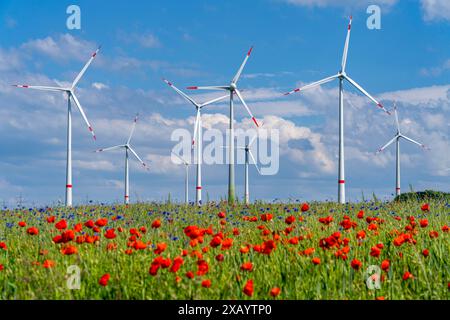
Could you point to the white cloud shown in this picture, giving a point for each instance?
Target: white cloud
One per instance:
(145, 40)
(100, 86)
(341, 3)
(98, 165)
(436, 10)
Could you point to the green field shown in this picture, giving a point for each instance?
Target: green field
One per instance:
(280, 252)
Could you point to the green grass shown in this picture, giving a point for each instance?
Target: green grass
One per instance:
(284, 267)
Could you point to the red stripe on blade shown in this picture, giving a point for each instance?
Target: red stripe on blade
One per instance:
(256, 123)
(68, 186)
(341, 181)
(199, 188)
(192, 88)
(249, 51)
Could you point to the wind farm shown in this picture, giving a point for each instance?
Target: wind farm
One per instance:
(223, 185)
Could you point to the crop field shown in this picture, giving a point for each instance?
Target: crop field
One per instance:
(320, 250)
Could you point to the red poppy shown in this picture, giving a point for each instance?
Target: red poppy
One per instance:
(160, 247)
(89, 224)
(248, 288)
(308, 252)
(293, 240)
(360, 234)
(379, 298)
(67, 236)
(326, 220)
(190, 275)
(221, 215)
(425, 207)
(305, 207)
(3, 246)
(360, 214)
(244, 249)
(275, 291)
(143, 229)
(356, 264)
(236, 231)
(2, 268)
(247, 266)
(69, 250)
(290, 220)
(266, 217)
(202, 267)
(425, 252)
(139, 245)
(227, 243)
(220, 257)
(48, 264)
(51, 219)
(22, 224)
(206, 283)
(407, 275)
(445, 228)
(104, 280)
(375, 252)
(423, 223)
(315, 261)
(61, 225)
(215, 242)
(32, 231)
(101, 222)
(385, 265)
(268, 246)
(110, 234)
(434, 234)
(78, 227)
(156, 224)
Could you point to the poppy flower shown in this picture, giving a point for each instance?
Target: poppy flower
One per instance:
(425, 252)
(308, 251)
(275, 291)
(202, 267)
(69, 250)
(48, 264)
(104, 280)
(227, 243)
(315, 261)
(305, 207)
(2, 268)
(379, 298)
(110, 234)
(423, 223)
(89, 224)
(244, 249)
(375, 251)
(425, 207)
(247, 266)
(156, 224)
(61, 225)
(206, 283)
(407, 275)
(268, 246)
(111, 246)
(215, 242)
(434, 234)
(445, 228)
(190, 275)
(143, 229)
(51, 219)
(266, 217)
(236, 231)
(32, 231)
(290, 220)
(326, 220)
(22, 224)
(360, 234)
(3, 246)
(101, 222)
(293, 240)
(78, 227)
(385, 265)
(221, 215)
(160, 247)
(356, 264)
(248, 288)
(360, 214)
(220, 257)
(67, 236)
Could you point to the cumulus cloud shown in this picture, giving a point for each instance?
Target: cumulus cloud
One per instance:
(436, 10)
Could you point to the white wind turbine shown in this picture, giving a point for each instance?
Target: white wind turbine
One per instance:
(128, 149)
(197, 137)
(70, 91)
(186, 177)
(396, 139)
(248, 156)
(232, 88)
(341, 75)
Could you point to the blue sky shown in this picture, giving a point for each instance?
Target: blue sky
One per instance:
(203, 43)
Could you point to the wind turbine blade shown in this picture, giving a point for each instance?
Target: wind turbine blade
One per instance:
(252, 140)
(396, 117)
(181, 93)
(197, 121)
(109, 149)
(312, 85)
(137, 157)
(387, 144)
(246, 107)
(347, 40)
(132, 128)
(77, 103)
(179, 157)
(214, 100)
(41, 88)
(209, 88)
(413, 141)
(357, 86)
(86, 66)
(253, 160)
(238, 74)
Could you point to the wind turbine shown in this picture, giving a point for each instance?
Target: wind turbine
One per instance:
(232, 88)
(248, 156)
(341, 75)
(186, 178)
(396, 139)
(128, 149)
(70, 91)
(197, 135)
